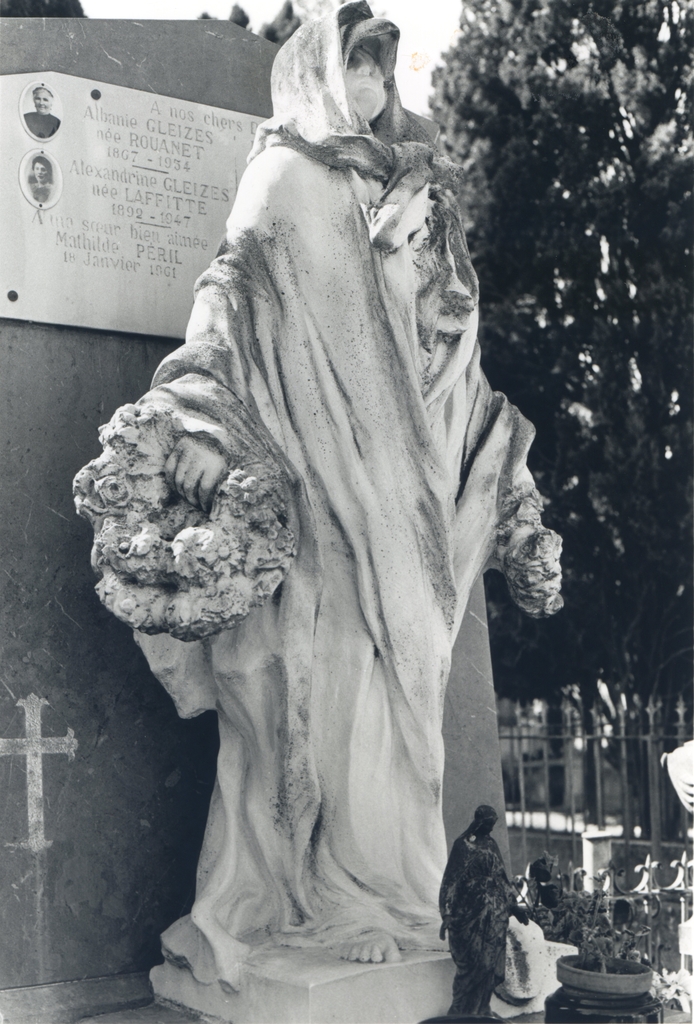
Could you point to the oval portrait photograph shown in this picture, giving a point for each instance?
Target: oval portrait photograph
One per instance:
(41, 110)
(40, 179)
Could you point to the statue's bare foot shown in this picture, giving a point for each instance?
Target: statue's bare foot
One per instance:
(373, 947)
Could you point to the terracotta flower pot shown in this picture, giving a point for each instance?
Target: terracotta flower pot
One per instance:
(634, 979)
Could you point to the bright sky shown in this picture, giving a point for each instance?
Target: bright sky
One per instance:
(426, 30)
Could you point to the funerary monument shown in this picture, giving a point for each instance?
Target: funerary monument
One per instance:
(293, 522)
(294, 516)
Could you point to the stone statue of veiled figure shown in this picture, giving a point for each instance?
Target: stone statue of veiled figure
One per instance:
(340, 319)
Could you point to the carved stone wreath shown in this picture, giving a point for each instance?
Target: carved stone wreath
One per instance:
(166, 566)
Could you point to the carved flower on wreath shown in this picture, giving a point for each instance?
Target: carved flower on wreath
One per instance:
(113, 491)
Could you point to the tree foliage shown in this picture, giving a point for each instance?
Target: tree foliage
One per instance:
(572, 121)
(284, 24)
(239, 17)
(41, 9)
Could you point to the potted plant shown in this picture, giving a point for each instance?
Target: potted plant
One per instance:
(608, 964)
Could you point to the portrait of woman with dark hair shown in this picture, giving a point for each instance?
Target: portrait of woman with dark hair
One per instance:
(41, 122)
(41, 179)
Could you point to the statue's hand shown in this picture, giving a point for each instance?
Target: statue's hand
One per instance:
(195, 468)
(530, 562)
(528, 555)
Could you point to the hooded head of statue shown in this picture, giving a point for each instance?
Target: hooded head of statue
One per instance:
(333, 92)
(335, 101)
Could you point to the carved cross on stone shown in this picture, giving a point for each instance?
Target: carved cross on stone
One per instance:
(33, 748)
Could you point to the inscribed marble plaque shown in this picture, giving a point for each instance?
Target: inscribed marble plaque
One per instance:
(112, 201)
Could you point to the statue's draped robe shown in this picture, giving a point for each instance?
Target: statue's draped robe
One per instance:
(326, 817)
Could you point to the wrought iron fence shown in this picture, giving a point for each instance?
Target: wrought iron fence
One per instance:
(644, 903)
(564, 770)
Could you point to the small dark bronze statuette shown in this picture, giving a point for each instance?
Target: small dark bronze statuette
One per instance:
(476, 901)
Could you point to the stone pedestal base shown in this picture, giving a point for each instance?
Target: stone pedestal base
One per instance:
(288, 986)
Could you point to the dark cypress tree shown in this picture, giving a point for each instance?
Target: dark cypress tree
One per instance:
(41, 9)
(573, 122)
(283, 25)
(239, 16)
